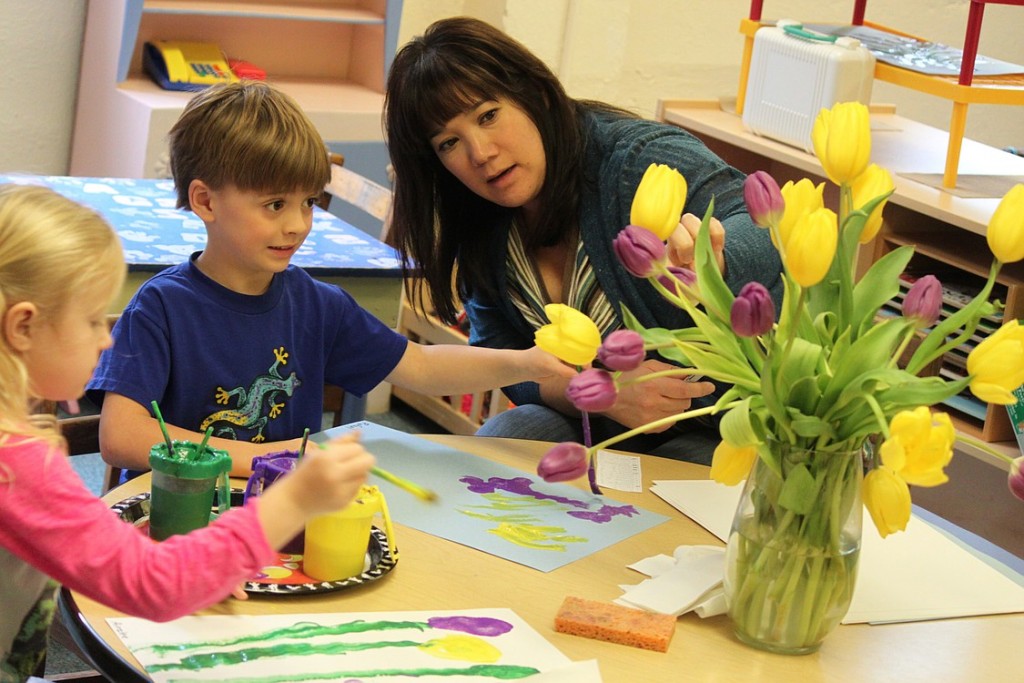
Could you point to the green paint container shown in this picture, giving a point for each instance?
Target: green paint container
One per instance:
(183, 485)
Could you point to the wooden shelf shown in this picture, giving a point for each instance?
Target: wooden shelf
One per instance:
(297, 11)
(962, 92)
(331, 56)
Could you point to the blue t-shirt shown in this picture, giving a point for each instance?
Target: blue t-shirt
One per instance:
(253, 367)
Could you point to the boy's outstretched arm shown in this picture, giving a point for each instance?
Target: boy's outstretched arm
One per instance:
(442, 369)
(128, 431)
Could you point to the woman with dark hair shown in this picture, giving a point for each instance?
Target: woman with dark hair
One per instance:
(523, 188)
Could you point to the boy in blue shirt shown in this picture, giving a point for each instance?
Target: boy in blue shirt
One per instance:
(237, 338)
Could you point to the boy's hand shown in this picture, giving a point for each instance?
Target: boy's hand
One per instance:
(545, 366)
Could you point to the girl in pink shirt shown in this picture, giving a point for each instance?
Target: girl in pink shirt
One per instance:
(60, 266)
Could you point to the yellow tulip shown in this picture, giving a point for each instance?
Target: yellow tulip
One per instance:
(919, 446)
(887, 498)
(1005, 232)
(875, 181)
(996, 365)
(659, 199)
(801, 198)
(811, 246)
(731, 464)
(842, 141)
(571, 336)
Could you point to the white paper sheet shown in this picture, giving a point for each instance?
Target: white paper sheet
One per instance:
(914, 575)
(619, 472)
(382, 646)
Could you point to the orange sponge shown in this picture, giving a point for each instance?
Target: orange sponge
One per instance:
(615, 624)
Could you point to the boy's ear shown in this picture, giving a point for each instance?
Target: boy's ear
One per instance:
(17, 325)
(200, 199)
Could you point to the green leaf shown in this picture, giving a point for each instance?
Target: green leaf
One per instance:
(872, 351)
(713, 289)
(878, 286)
(799, 491)
(736, 427)
(809, 426)
(804, 395)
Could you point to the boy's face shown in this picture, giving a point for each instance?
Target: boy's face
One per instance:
(251, 235)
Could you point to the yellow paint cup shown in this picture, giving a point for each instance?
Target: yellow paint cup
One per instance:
(336, 543)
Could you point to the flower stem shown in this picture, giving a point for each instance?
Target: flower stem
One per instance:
(697, 412)
(983, 446)
(591, 469)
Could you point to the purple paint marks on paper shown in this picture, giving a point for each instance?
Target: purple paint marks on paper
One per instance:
(523, 486)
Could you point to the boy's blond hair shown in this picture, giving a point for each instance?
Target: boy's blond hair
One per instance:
(249, 135)
(50, 249)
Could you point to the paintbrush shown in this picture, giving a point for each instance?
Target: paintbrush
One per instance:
(402, 483)
(163, 428)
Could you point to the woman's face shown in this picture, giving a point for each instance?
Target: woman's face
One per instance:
(496, 151)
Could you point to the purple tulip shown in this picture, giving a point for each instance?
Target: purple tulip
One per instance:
(764, 199)
(753, 312)
(592, 391)
(1016, 478)
(678, 275)
(622, 350)
(639, 250)
(924, 301)
(564, 462)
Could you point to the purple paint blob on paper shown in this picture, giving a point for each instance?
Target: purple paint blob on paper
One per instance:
(478, 626)
(523, 486)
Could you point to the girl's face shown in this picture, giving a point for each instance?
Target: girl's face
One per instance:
(64, 351)
(495, 150)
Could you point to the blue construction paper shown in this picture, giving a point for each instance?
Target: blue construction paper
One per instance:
(553, 524)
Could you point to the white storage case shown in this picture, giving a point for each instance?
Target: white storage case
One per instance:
(795, 73)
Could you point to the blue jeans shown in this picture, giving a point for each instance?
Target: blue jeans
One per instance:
(689, 442)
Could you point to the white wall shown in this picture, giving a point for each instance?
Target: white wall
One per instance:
(631, 54)
(628, 52)
(40, 43)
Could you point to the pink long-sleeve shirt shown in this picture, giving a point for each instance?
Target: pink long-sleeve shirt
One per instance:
(52, 525)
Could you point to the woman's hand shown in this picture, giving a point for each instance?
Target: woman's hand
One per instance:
(643, 402)
(683, 241)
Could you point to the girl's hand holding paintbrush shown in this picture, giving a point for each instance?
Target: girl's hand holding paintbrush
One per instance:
(325, 479)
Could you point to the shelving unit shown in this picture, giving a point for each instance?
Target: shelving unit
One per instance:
(940, 225)
(961, 91)
(457, 414)
(330, 55)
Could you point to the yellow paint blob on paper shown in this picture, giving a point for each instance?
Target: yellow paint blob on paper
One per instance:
(463, 648)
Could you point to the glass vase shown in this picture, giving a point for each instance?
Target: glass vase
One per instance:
(791, 558)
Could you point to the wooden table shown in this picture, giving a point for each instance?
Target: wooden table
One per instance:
(435, 574)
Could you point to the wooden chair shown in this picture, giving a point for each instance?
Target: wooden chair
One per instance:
(375, 199)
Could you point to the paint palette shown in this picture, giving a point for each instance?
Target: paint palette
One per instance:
(284, 577)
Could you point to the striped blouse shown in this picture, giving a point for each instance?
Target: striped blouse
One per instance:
(529, 296)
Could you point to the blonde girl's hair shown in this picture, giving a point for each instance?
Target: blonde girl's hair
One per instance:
(50, 249)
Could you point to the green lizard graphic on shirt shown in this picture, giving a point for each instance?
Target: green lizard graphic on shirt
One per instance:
(248, 410)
